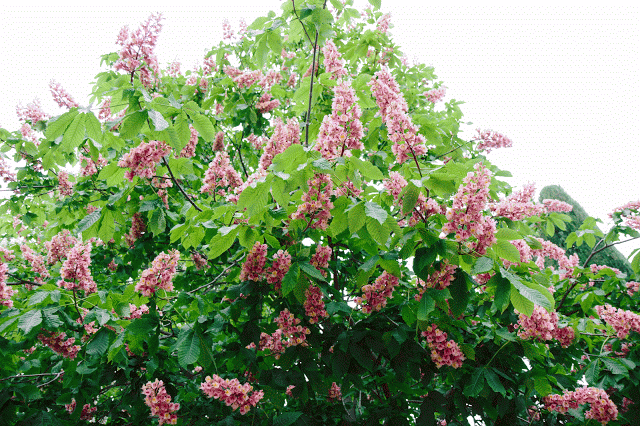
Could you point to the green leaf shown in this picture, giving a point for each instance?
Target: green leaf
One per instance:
(427, 304)
(508, 234)
(158, 222)
(107, 225)
(494, 381)
(505, 250)
(51, 320)
(37, 297)
(88, 221)
(475, 384)
(58, 126)
(290, 279)
(286, 419)
(424, 258)
(615, 366)
(221, 243)
(592, 372)
(521, 303)
(203, 126)
(188, 347)
(502, 294)
(410, 198)
(158, 120)
(356, 217)
(380, 233)
(74, 135)
(93, 127)
(460, 294)
(132, 124)
(30, 319)
(100, 342)
(368, 169)
(311, 271)
(532, 294)
(376, 212)
(482, 265)
(541, 385)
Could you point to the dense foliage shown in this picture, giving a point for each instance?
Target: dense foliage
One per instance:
(294, 233)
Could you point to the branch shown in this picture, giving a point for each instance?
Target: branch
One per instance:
(313, 65)
(175, 181)
(224, 271)
(23, 281)
(19, 376)
(303, 27)
(246, 175)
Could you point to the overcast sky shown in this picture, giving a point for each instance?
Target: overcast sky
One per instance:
(561, 82)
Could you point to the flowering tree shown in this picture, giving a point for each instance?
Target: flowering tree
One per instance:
(294, 233)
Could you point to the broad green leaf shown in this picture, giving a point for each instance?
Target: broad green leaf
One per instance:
(542, 386)
(286, 419)
(373, 210)
(311, 271)
(494, 381)
(368, 169)
(502, 294)
(74, 135)
(188, 346)
(88, 221)
(356, 217)
(410, 198)
(221, 243)
(475, 385)
(93, 127)
(521, 303)
(203, 126)
(132, 124)
(158, 222)
(289, 160)
(51, 319)
(107, 225)
(507, 251)
(424, 257)
(100, 342)
(290, 279)
(508, 234)
(532, 294)
(58, 126)
(30, 319)
(615, 366)
(379, 232)
(460, 294)
(426, 305)
(158, 120)
(482, 265)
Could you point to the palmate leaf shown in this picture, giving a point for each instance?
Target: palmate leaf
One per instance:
(188, 346)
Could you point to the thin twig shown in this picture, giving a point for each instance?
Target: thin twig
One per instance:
(313, 65)
(22, 281)
(218, 276)
(296, 13)
(175, 181)
(19, 376)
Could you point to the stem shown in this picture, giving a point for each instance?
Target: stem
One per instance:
(303, 27)
(313, 65)
(175, 181)
(19, 376)
(75, 303)
(494, 355)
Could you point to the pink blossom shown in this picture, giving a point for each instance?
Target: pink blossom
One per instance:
(142, 159)
(90, 167)
(199, 260)
(29, 134)
(174, 69)
(314, 305)
(87, 410)
(75, 272)
(282, 138)
(160, 274)
(332, 62)
(159, 401)
(137, 229)
(375, 295)
(439, 279)
(220, 176)
(32, 112)
(632, 287)
(64, 186)
(292, 79)
(227, 32)
(59, 246)
(136, 312)
(6, 174)
(519, 205)
(602, 408)
(620, 320)
(190, 149)
(5, 290)
(278, 269)
(137, 51)
(334, 392)
(289, 333)
(316, 203)
(60, 96)
(552, 251)
(320, 259)
(556, 205)
(266, 104)
(289, 390)
(443, 351)
(435, 95)
(59, 343)
(383, 23)
(489, 140)
(231, 392)
(253, 267)
(35, 262)
(540, 325)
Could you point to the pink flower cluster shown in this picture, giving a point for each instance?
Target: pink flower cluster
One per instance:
(435, 95)
(6, 174)
(332, 62)
(439, 279)
(160, 275)
(266, 103)
(320, 259)
(519, 205)
(190, 149)
(59, 246)
(342, 130)
(489, 140)
(632, 287)
(282, 138)
(622, 321)
(232, 393)
(59, 343)
(383, 23)
(552, 251)
(602, 408)
(465, 216)
(137, 229)
(556, 205)
(278, 269)
(199, 260)
(32, 112)
(314, 305)
(91, 167)
(87, 410)
(142, 159)
(138, 49)
(443, 351)
(289, 333)
(248, 78)
(64, 186)
(136, 312)
(75, 272)
(316, 203)
(253, 267)
(60, 96)
(542, 325)
(407, 143)
(159, 401)
(5, 291)
(334, 392)
(220, 176)
(375, 295)
(218, 142)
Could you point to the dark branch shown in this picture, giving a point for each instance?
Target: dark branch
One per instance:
(175, 181)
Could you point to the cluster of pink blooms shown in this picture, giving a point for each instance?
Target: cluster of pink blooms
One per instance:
(162, 183)
(622, 321)
(375, 295)
(383, 23)
(87, 410)
(556, 205)
(136, 312)
(443, 351)
(59, 246)
(632, 287)
(192, 80)
(314, 305)
(60, 96)
(334, 392)
(519, 205)
(227, 32)
(289, 390)
(199, 260)
(316, 203)
(266, 103)
(6, 174)
(174, 69)
(542, 325)
(64, 186)
(142, 159)
(218, 142)
(602, 408)
(253, 267)
(465, 217)
(332, 61)
(439, 279)
(232, 393)
(29, 134)
(5, 291)
(552, 251)
(407, 143)
(248, 78)
(59, 343)
(36, 262)
(159, 401)
(320, 259)
(289, 333)
(91, 167)
(190, 149)
(488, 140)
(75, 272)
(626, 402)
(220, 176)
(253, 177)
(278, 269)
(292, 79)
(342, 130)
(138, 49)
(33, 112)
(137, 229)
(630, 214)
(435, 95)
(282, 138)
(160, 275)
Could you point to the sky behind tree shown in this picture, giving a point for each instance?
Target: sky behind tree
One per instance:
(561, 82)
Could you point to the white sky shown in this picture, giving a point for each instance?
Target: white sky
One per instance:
(561, 82)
